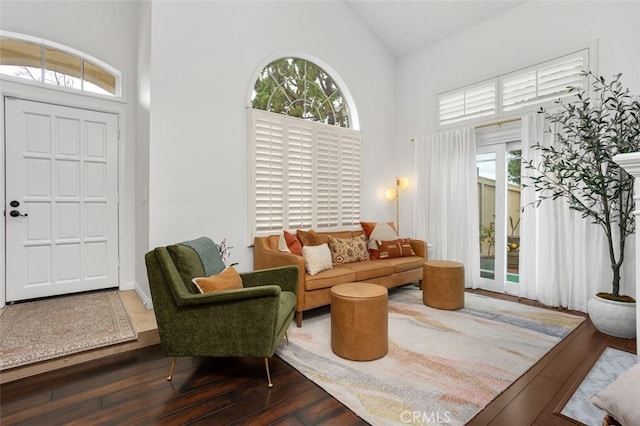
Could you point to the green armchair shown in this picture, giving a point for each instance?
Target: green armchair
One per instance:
(246, 322)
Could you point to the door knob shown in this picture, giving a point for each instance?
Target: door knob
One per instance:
(16, 213)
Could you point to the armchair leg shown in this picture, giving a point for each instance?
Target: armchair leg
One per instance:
(173, 364)
(286, 337)
(266, 365)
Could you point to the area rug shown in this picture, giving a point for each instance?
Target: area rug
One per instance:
(442, 366)
(49, 328)
(611, 363)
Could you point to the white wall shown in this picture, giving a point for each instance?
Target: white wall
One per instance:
(143, 103)
(519, 37)
(105, 30)
(204, 60)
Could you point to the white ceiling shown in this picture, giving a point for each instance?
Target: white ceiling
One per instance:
(405, 26)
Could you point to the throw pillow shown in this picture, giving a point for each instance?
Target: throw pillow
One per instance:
(226, 280)
(348, 250)
(311, 238)
(293, 243)
(620, 398)
(307, 238)
(282, 243)
(378, 231)
(188, 263)
(394, 248)
(317, 258)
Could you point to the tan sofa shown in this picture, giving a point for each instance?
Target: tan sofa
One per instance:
(314, 290)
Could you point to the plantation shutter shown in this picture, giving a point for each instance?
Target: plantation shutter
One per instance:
(269, 172)
(299, 158)
(304, 174)
(545, 82)
(471, 102)
(350, 178)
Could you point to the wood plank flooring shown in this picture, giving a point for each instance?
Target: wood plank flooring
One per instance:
(131, 388)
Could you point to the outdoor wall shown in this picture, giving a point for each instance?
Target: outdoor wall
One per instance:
(523, 35)
(205, 57)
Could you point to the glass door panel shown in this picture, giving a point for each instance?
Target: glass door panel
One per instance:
(513, 218)
(498, 168)
(486, 165)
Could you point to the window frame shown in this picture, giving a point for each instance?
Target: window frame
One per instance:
(588, 52)
(83, 57)
(342, 195)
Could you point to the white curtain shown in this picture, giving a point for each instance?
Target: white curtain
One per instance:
(446, 207)
(564, 258)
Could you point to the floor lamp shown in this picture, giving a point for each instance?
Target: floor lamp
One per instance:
(394, 193)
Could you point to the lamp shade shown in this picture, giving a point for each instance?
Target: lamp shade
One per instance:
(391, 194)
(402, 182)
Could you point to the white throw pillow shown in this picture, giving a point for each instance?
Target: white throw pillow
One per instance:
(282, 244)
(382, 232)
(620, 398)
(317, 258)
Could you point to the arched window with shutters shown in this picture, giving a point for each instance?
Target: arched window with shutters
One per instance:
(306, 158)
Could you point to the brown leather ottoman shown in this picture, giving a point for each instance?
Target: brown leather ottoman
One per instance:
(359, 321)
(443, 284)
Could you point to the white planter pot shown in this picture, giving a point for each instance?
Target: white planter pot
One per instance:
(613, 318)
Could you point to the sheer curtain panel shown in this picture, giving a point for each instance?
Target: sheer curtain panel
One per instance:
(446, 207)
(563, 257)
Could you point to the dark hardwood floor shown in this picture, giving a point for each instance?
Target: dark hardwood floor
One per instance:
(131, 389)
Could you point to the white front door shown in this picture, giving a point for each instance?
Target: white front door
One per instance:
(61, 206)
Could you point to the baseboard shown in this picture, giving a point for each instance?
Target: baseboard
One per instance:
(146, 300)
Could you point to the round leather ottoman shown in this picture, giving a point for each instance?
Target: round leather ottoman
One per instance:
(443, 284)
(359, 321)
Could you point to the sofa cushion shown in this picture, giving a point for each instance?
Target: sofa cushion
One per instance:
(228, 279)
(620, 398)
(282, 243)
(312, 238)
(348, 250)
(188, 264)
(293, 244)
(394, 248)
(402, 264)
(378, 231)
(329, 278)
(317, 258)
(369, 269)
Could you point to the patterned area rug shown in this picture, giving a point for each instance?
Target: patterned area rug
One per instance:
(610, 365)
(442, 366)
(45, 329)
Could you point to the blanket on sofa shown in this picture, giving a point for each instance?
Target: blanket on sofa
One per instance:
(209, 254)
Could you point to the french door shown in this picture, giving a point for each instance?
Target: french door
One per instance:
(499, 178)
(61, 207)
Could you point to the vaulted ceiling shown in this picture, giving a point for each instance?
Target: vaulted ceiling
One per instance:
(405, 26)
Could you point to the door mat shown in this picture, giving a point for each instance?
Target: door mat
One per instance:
(45, 329)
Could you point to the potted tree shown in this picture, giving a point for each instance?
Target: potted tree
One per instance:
(591, 129)
(487, 260)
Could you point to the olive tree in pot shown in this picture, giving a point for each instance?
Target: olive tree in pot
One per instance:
(590, 130)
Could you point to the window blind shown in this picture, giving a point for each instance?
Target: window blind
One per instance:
(524, 88)
(305, 174)
(544, 82)
(470, 102)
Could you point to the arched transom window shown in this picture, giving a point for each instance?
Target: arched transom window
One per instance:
(299, 88)
(53, 64)
(306, 160)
